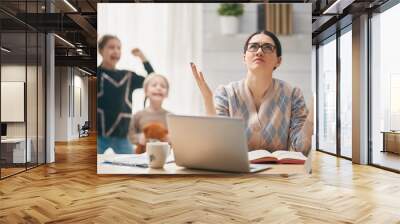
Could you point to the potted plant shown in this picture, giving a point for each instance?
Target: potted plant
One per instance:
(229, 13)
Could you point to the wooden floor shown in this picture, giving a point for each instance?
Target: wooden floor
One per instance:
(5, 172)
(10, 171)
(387, 159)
(70, 191)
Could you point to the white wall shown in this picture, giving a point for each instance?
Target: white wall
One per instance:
(314, 92)
(50, 95)
(247, 24)
(80, 83)
(248, 21)
(16, 73)
(302, 18)
(33, 127)
(68, 82)
(61, 103)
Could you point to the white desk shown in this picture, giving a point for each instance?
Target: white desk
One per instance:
(172, 168)
(18, 149)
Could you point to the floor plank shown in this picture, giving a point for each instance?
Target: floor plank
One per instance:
(387, 159)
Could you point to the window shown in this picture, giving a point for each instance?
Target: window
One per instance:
(327, 97)
(23, 76)
(346, 94)
(385, 89)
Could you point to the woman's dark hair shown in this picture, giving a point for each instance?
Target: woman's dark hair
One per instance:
(104, 39)
(273, 37)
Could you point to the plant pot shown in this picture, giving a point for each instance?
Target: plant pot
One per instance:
(229, 25)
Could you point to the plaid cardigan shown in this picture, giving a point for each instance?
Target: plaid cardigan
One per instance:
(280, 123)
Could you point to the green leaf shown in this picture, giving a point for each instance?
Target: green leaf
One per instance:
(230, 9)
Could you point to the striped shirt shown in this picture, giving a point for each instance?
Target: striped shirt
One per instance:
(281, 122)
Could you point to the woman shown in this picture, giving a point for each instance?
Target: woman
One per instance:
(114, 96)
(275, 113)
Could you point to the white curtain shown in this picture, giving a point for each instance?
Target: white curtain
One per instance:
(170, 35)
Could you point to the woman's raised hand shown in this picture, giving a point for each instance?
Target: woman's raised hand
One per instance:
(201, 83)
(204, 89)
(138, 53)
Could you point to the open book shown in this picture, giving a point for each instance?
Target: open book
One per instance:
(282, 157)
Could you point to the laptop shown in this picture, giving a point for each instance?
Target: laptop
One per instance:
(211, 143)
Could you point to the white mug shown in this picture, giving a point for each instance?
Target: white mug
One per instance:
(157, 153)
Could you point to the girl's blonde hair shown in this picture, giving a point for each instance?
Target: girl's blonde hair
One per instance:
(147, 81)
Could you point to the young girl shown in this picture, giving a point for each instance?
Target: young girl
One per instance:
(114, 101)
(156, 89)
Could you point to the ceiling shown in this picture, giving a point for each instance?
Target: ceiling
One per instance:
(76, 21)
(331, 15)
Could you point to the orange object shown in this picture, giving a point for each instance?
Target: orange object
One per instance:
(152, 131)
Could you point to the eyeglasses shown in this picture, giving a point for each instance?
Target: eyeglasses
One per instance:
(267, 48)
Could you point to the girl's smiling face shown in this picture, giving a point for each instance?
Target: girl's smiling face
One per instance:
(111, 52)
(157, 89)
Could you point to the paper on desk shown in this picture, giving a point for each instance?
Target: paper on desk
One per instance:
(136, 159)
